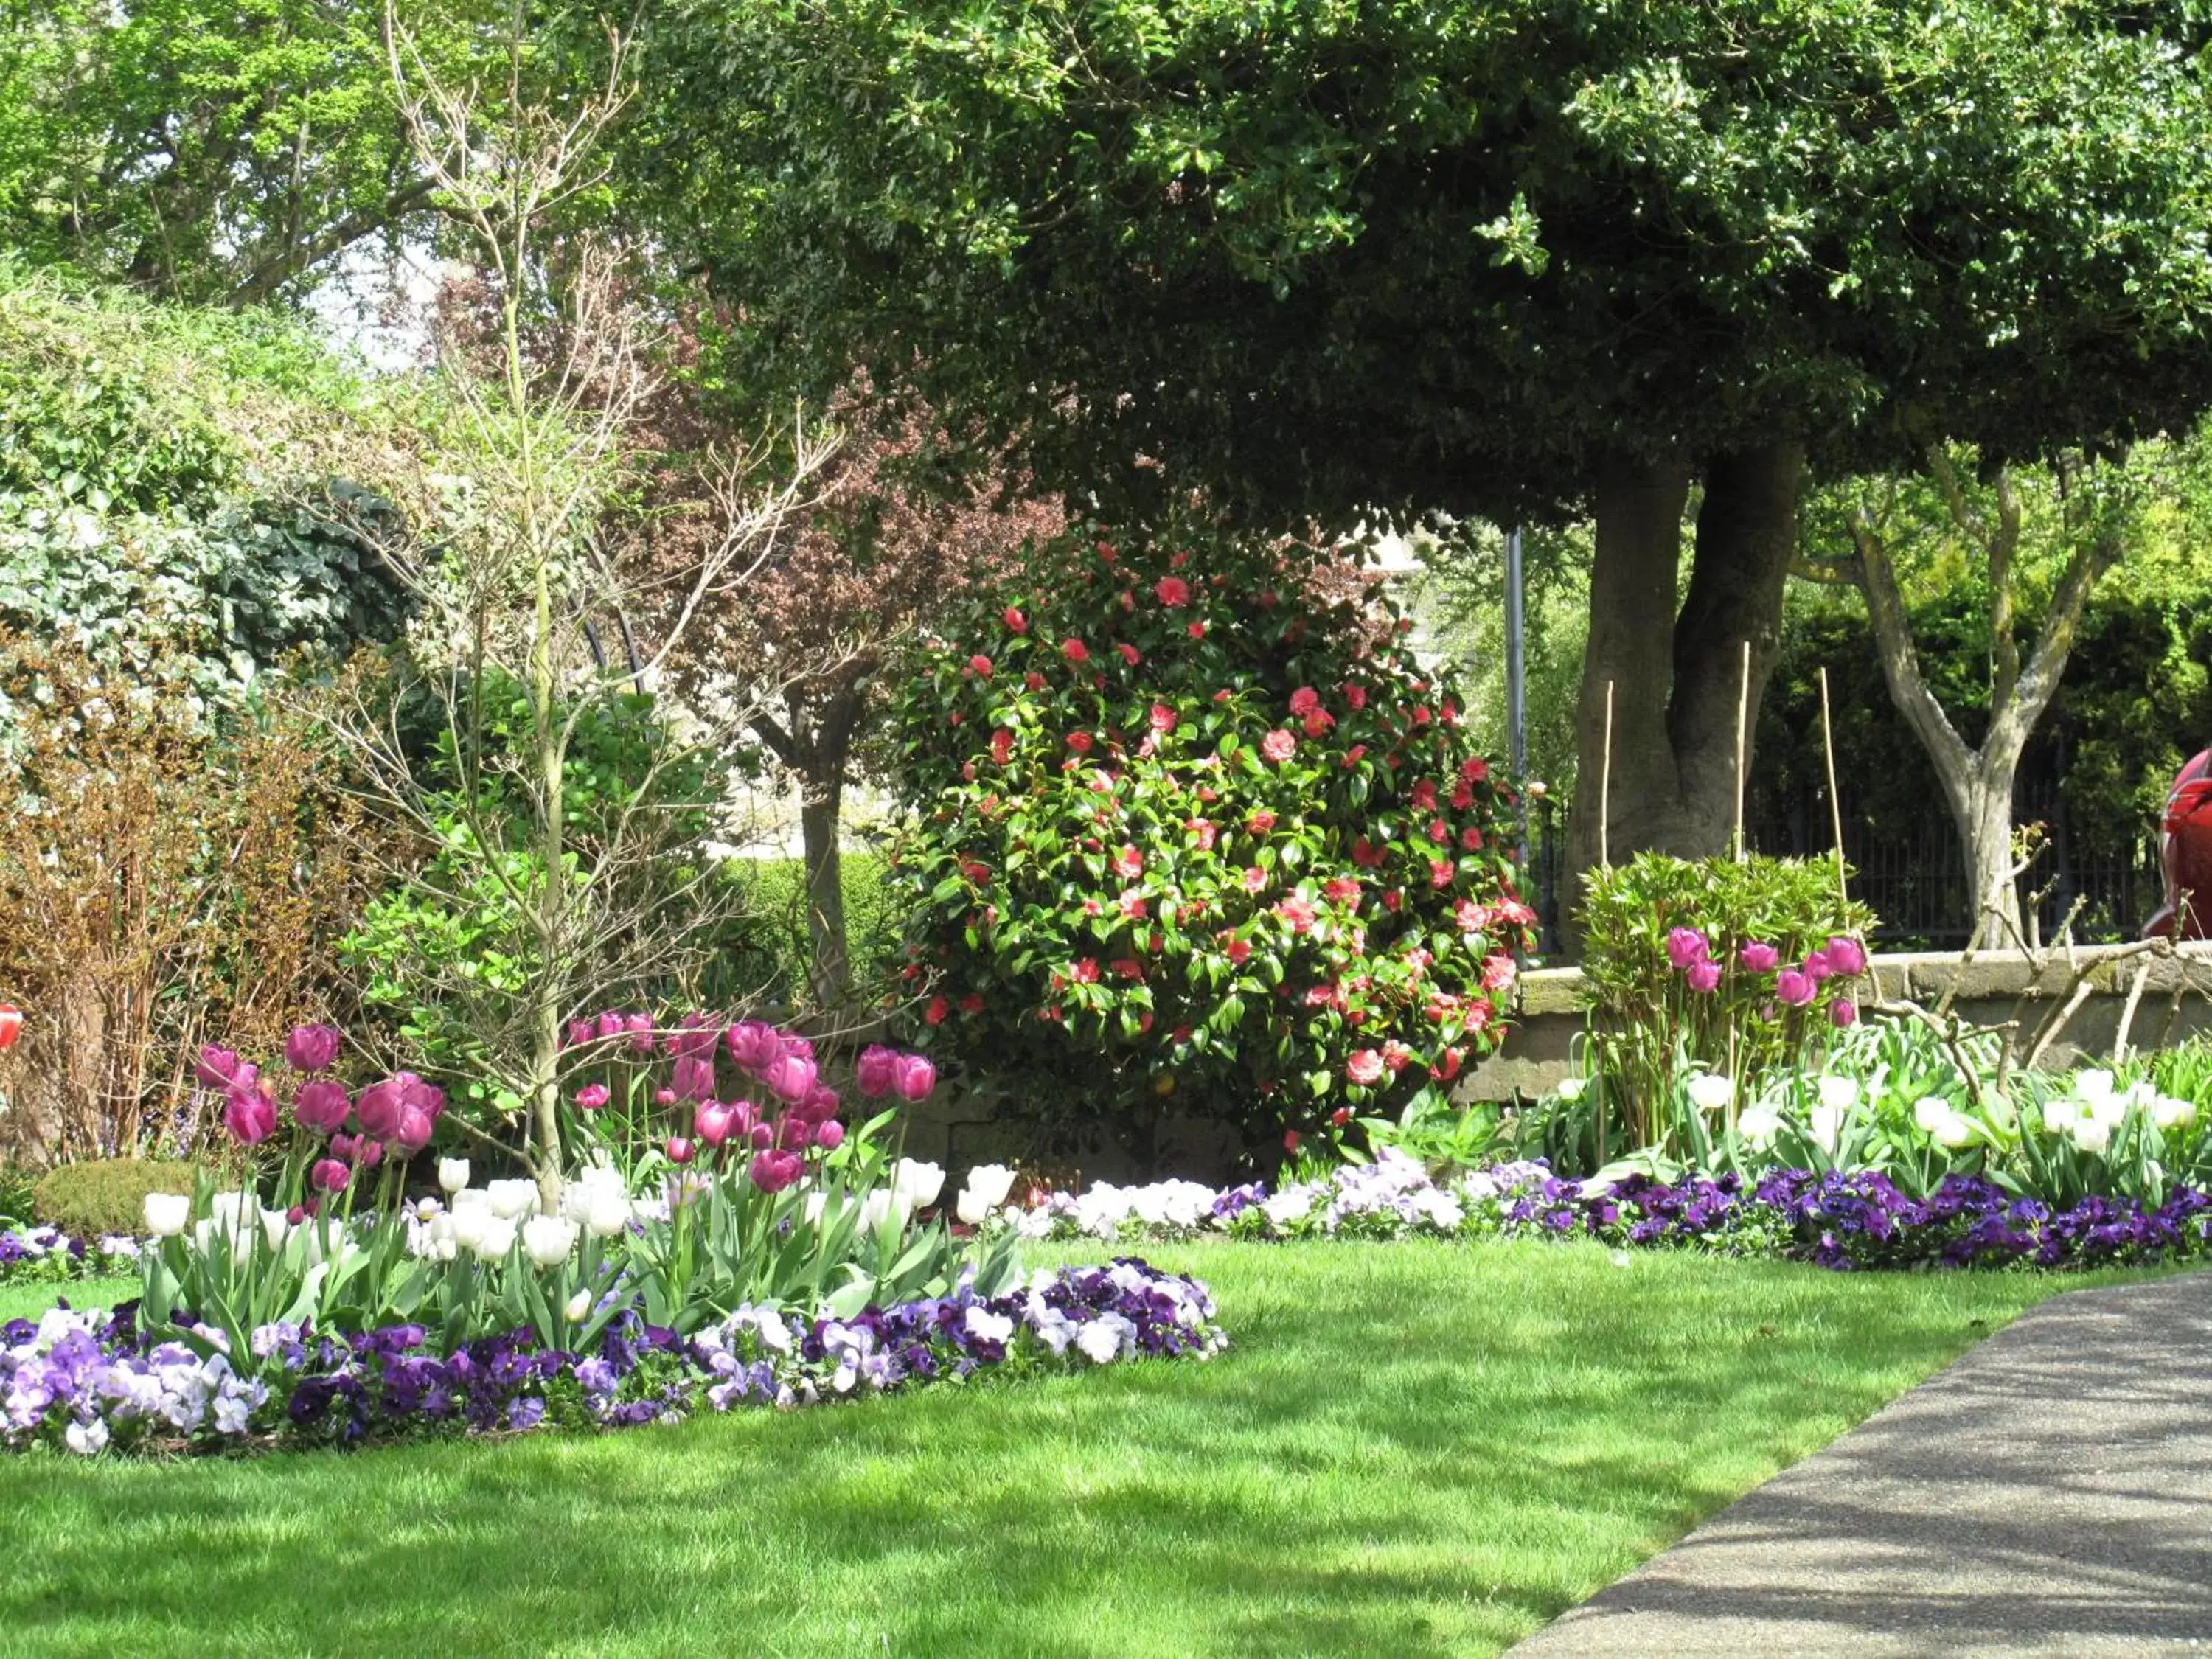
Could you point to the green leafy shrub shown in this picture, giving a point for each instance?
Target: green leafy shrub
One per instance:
(106, 1195)
(1193, 825)
(1720, 968)
(764, 949)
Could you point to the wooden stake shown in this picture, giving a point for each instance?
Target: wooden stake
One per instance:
(1605, 789)
(1743, 718)
(1835, 803)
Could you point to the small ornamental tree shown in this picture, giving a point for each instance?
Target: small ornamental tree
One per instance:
(1197, 826)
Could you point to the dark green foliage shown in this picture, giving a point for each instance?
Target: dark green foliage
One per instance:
(768, 949)
(106, 1195)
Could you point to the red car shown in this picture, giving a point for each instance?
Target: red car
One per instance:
(2186, 853)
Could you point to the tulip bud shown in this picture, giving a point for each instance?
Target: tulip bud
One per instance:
(830, 1136)
(312, 1048)
(328, 1175)
(591, 1097)
(713, 1122)
(679, 1150)
(578, 1306)
(452, 1174)
(917, 1077)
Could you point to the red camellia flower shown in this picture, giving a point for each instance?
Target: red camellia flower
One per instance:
(1366, 854)
(1354, 755)
(1423, 797)
(1002, 745)
(1297, 912)
(1440, 872)
(1474, 769)
(1238, 952)
(1133, 904)
(1086, 971)
(1260, 823)
(980, 666)
(11, 1024)
(1317, 723)
(1365, 1068)
(1291, 1141)
(1396, 1056)
(1254, 879)
(1162, 718)
(1172, 591)
(1342, 890)
(971, 1004)
(1305, 700)
(1079, 742)
(1196, 630)
(1356, 695)
(1034, 680)
(1129, 653)
(1278, 745)
(1129, 864)
(1074, 651)
(934, 1015)
(1447, 1065)
(1015, 622)
(1126, 967)
(1439, 830)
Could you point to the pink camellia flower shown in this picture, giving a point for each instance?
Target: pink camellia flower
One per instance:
(1846, 956)
(1305, 700)
(692, 1079)
(415, 1128)
(830, 1136)
(1395, 1056)
(1129, 653)
(752, 1043)
(1704, 978)
(1758, 956)
(1499, 971)
(679, 1150)
(591, 1097)
(917, 1077)
(328, 1175)
(1818, 967)
(321, 1105)
(980, 666)
(789, 1076)
(1015, 622)
(1278, 745)
(1365, 1067)
(383, 1104)
(218, 1068)
(249, 1115)
(312, 1048)
(1162, 718)
(877, 1070)
(1254, 879)
(1297, 912)
(1795, 988)
(1172, 592)
(1685, 945)
(1317, 723)
(1441, 873)
(1074, 651)
(773, 1171)
(1843, 1013)
(1260, 823)
(713, 1122)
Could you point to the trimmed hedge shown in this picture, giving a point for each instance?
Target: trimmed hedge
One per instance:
(106, 1195)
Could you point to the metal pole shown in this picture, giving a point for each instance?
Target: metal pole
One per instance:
(1516, 687)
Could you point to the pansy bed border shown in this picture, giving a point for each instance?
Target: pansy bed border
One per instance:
(49, 1255)
(90, 1382)
(1837, 1219)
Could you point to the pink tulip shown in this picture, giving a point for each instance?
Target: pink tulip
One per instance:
(1685, 945)
(640, 1027)
(321, 1105)
(1847, 956)
(694, 1039)
(1818, 967)
(1758, 957)
(752, 1043)
(591, 1097)
(610, 1025)
(694, 1078)
(249, 1115)
(426, 1099)
(581, 1032)
(790, 1076)
(1843, 1013)
(917, 1077)
(415, 1128)
(328, 1175)
(821, 1105)
(383, 1104)
(1705, 977)
(773, 1171)
(830, 1136)
(679, 1149)
(312, 1048)
(877, 1071)
(714, 1121)
(760, 1136)
(797, 1133)
(1795, 988)
(218, 1068)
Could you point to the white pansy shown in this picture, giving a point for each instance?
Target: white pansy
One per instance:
(1710, 1091)
(167, 1214)
(452, 1174)
(547, 1239)
(987, 1326)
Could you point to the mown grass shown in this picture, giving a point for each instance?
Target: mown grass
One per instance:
(1412, 1449)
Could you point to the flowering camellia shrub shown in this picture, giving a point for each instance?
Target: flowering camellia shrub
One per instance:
(1188, 821)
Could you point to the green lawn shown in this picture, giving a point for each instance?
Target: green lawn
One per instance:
(1412, 1449)
(29, 1301)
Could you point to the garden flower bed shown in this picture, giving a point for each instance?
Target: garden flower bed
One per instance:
(89, 1381)
(1837, 1219)
(33, 1255)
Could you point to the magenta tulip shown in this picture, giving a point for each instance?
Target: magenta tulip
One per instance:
(714, 1121)
(694, 1039)
(1705, 977)
(312, 1048)
(790, 1077)
(321, 1105)
(382, 1105)
(1847, 956)
(218, 1068)
(679, 1149)
(830, 1136)
(581, 1032)
(415, 1128)
(693, 1077)
(640, 1027)
(425, 1097)
(752, 1043)
(328, 1175)
(1818, 967)
(877, 1071)
(610, 1025)
(249, 1115)
(1685, 945)
(798, 1132)
(773, 1171)
(591, 1097)
(821, 1105)
(1795, 988)
(1758, 957)
(1843, 1013)
(917, 1077)
(760, 1136)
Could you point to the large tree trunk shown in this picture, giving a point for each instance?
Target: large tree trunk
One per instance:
(1676, 684)
(829, 967)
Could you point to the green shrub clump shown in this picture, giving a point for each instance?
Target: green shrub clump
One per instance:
(106, 1195)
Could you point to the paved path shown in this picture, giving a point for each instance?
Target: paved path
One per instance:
(2049, 1493)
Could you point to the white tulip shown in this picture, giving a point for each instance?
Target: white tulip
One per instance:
(2092, 1086)
(2168, 1112)
(547, 1239)
(512, 1199)
(2090, 1135)
(816, 1202)
(452, 1174)
(1929, 1111)
(1827, 1126)
(578, 1305)
(167, 1214)
(225, 1208)
(1759, 1124)
(2057, 1115)
(273, 1226)
(990, 1183)
(496, 1240)
(1710, 1091)
(1838, 1094)
(1953, 1130)
(608, 1215)
(469, 1224)
(1571, 1089)
(917, 1184)
(881, 1210)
